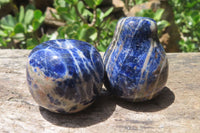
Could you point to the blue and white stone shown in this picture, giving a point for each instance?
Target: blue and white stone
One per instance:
(135, 63)
(65, 76)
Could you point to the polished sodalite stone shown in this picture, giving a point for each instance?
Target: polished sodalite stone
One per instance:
(65, 75)
(135, 63)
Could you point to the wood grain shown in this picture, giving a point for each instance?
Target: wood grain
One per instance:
(176, 109)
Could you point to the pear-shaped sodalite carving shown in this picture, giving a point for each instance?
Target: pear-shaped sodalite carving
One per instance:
(65, 76)
(135, 63)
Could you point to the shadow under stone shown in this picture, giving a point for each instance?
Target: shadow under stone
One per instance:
(99, 111)
(160, 102)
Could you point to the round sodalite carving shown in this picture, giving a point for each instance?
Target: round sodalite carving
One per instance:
(135, 63)
(65, 76)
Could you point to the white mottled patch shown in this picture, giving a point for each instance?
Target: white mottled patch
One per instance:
(116, 38)
(80, 73)
(54, 57)
(77, 65)
(84, 60)
(81, 54)
(46, 87)
(68, 45)
(164, 63)
(147, 58)
(153, 26)
(59, 44)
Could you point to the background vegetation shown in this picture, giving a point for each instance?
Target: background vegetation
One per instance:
(187, 17)
(85, 20)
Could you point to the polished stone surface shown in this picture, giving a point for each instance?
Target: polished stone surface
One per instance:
(135, 63)
(175, 110)
(64, 76)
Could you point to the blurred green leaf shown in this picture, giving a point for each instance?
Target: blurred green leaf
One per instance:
(86, 32)
(3, 42)
(55, 15)
(101, 48)
(31, 43)
(59, 3)
(93, 36)
(36, 24)
(29, 7)
(191, 4)
(72, 30)
(90, 3)
(162, 24)
(37, 14)
(100, 16)
(61, 32)
(21, 14)
(71, 1)
(19, 28)
(3, 34)
(19, 36)
(158, 14)
(44, 38)
(145, 13)
(98, 2)
(73, 13)
(69, 15)
(108, 12)
(140, 1)
(80, 6)
(28, 16)
(7, 27)
(185, 30)
(4, 2)
(62, 10)
(87, 13)
(8, 21)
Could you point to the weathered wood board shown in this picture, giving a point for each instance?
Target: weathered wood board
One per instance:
(176, 109)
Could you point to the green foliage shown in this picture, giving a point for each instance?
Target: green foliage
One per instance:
(21, 28)
(140, 1)
(85, 21)
(2, 2)
(187, 17)
(161, 24)
(130, 3)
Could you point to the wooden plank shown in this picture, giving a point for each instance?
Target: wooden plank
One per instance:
(176, 109)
